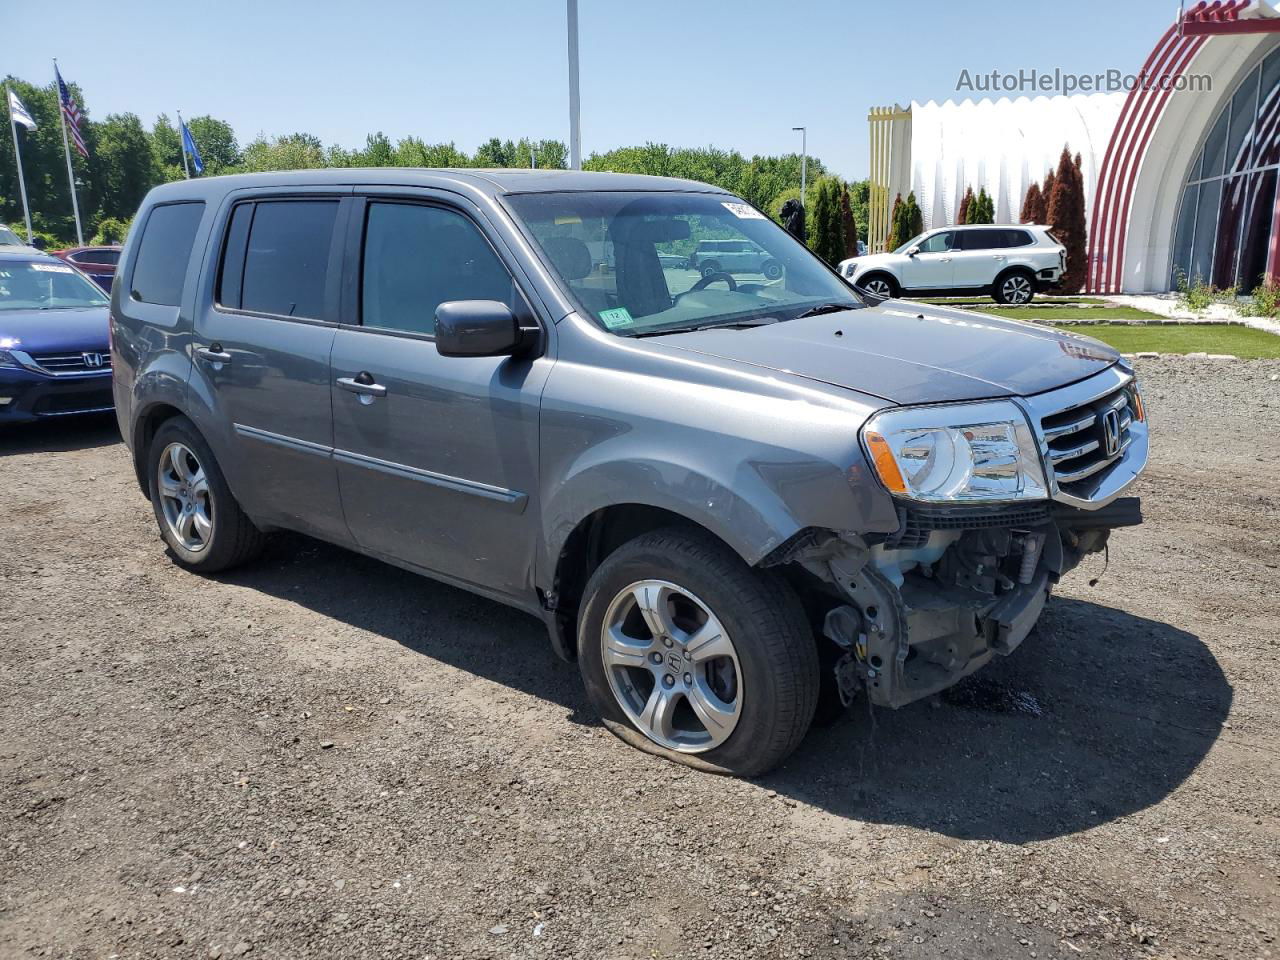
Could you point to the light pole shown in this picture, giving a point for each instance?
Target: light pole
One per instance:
(575, 131)
(804, 158)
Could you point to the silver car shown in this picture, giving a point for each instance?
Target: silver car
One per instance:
(726, 498)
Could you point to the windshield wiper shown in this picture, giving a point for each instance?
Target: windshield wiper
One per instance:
(822, 308)
(695, 327)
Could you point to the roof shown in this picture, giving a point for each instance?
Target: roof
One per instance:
(27, 253)
(485, 181)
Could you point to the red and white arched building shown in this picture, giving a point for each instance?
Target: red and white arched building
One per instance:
(1181, 178)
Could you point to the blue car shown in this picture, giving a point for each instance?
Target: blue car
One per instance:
(55, 359)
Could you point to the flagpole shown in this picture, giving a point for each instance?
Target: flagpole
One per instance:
(182, 141)
(66, 149)
(17, 156)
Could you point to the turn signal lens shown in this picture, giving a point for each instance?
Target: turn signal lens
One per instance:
(1139, 410)
(886, 466)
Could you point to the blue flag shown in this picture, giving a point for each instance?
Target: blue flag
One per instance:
(189, 145)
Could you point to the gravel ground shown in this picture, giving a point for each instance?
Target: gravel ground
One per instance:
(323, 756)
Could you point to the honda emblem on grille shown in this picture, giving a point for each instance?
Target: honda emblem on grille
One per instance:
(1111, 432)
(92, 360)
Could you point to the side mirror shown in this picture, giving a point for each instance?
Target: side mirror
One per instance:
(913, 251)
(477, 328)
(39, 243)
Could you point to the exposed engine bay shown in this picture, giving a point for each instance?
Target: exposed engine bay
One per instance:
(953, 587)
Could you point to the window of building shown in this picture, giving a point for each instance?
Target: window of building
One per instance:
(1228, 209)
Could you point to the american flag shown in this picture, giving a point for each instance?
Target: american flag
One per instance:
(71, 112)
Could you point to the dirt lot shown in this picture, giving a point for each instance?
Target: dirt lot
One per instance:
(322, 756)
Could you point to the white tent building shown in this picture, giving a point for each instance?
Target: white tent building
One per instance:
(1181, 170)
(1003, 146)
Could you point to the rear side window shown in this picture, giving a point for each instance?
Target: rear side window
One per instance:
(417, 257)
(1018, 238)
(164, 251)
(276, 258)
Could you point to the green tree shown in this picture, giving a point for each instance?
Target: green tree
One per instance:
(124, 166)
(217, 144)
(898, 227)
(826, 228)
(297, 151)
(112, 230)
(981, 209)
(914, 217)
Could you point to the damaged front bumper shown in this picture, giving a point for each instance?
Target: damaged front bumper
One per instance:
(953, 589)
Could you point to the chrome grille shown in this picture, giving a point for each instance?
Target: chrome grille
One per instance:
(73, 362)
(1086, 440)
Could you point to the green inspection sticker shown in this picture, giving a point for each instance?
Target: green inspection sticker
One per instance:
(617, 317)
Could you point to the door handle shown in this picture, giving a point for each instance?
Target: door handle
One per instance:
(213, 353)
(363, 385)
(944, 260)
(996, 256)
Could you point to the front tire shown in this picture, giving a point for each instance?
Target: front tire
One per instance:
(709, 268)
(880, 285)
(771, 269)
(688, 653)
(198, 517)
(1015, 288)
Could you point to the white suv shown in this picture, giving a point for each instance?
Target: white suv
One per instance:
(1009, 262)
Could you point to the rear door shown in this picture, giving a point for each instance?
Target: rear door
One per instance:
(981, 256)
(262, 357)
(436, 456)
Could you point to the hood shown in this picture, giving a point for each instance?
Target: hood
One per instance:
(50, 331)
(882, 260)
(911, 353)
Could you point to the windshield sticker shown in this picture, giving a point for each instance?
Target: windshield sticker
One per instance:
(568, 220)
(51, 268)
(743, 211)
(617, 317)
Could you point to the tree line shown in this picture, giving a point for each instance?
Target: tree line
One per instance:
(126, 159)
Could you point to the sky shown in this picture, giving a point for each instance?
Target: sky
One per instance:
(737, 74)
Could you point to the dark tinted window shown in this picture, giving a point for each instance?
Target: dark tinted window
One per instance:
(416, 258)
(97, 256)
(981, 239)
(287, 259)
(1018, 238)
(163, 252)
(232, 277)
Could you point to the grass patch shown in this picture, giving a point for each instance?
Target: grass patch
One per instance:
(1036, 311)
(983, 302)
(1244, 342)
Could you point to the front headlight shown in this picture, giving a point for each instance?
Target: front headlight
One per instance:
(956, 454)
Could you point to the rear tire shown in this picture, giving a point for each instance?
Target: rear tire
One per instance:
(708, 267)
(1015, 288)
(736, 680)
(772, 270)
(198, 517)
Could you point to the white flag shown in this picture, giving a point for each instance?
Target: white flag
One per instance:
(19, 112)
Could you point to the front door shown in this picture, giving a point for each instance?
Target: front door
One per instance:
(436, 456)
(262, 359)
(931, 268)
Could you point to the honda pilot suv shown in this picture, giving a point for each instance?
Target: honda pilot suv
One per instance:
(725, 498)
(1010, 263)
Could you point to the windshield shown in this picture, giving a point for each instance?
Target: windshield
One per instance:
(10, 239)
(31, 285)
(641, 263)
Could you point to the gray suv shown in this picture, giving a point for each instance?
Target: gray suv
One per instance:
(727, 500)
(734, 256)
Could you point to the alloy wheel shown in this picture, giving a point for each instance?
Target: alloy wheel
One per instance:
(1016, 289)
(879, 288)
(185, 501)
(671, 666)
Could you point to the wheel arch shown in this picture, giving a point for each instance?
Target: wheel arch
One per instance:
(145, 427)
